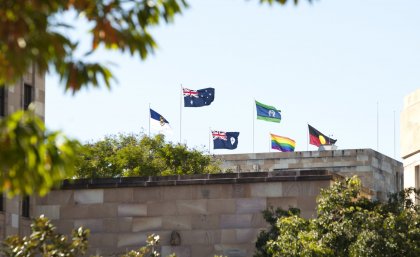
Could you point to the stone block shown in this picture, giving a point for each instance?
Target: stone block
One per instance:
(183, 251)
(64, 226)
(54, 197)
(207, 192)
(191, 206)
(147, 194)
(103, 239)
(266, 189)
(236, 191)
(235, 221)
(177, 222)
(89, 196)
(247, 235)
(162, 208)
(74, 212)
(177, 193)
(203, 250)
(107, 210)
(147, 224)
(94, 225)
(15, 220)
(132, 210)
(200, 237)
(204, 221)
(251, 205)
(221, 206)
(228, 236)
(233, 250)
(131, 239)
(282, 202)
(50, 211)
(115, 225)
(307, 203)
(258, 221)
(119, 195)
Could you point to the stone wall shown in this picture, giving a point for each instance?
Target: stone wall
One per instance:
(378, 172)
(213, 214)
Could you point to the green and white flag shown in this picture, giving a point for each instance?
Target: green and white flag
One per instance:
(267, 112)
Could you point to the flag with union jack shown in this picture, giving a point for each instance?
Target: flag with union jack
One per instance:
(225, 140)
(198, 98)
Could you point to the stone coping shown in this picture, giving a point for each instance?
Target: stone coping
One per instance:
(202, 179)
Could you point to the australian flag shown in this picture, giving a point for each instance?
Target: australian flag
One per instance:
(198, 98)
(225, 140)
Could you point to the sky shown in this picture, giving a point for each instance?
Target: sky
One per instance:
(342, 66)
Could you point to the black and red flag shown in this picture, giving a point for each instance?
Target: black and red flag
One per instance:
(317, 138)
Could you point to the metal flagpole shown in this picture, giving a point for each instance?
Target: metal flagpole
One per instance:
(377, 126)
(149, 119)
(269, 143)
(209, 140)
(180, 117)
(394, 134)
(253, 127)
(307, 136)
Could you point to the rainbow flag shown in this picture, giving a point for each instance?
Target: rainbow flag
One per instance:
(283, 144)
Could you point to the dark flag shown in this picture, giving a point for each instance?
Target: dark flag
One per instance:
(198, 98)
(317, 138)
(225, 140)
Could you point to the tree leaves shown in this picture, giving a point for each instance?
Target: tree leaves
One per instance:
(32, 160)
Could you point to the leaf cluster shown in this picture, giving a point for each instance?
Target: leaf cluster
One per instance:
(348, 224)
(32, 160)
(140, 155)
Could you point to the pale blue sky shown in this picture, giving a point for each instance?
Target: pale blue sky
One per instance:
(329, 64)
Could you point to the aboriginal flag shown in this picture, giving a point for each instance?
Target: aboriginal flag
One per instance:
(317, 138)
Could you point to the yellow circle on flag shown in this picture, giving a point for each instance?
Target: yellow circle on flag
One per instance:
(322, 140)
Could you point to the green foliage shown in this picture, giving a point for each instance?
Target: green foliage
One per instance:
(32, 160)
(347, 224)
(131, 155)
(44, 241)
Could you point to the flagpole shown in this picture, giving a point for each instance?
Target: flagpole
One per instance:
(394, 134)
(180, 117)
(209, 140)
(307, 136)
(269, 143)
(149, 120)
(377, 126)
(253, 128)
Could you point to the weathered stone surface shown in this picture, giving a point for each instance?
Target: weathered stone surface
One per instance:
(177, 222)
(61, 197)
(177, 193)
(131, 239)
(89, 196)
(147, 194)
(235, 221)
(250, 205)
(177, 250)
(204, 221)
(200, 237)
(50, 211)
(132, 210)
(94, 225)
(221, 206)
(233, 250)
(191, 206)
(162, 208)
(282, 202)
(207, 192)
(119, 195)
(115, 225)
(266, 190)
(246, 235)
(147, 224)
(228, 236)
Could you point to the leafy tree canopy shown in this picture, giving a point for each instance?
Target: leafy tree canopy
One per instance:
(140, 155)
(347, 225)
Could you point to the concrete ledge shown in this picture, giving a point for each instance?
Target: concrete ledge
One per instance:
(201, 179)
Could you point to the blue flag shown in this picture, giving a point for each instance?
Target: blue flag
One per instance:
(158, 122)
(198, 98)
(225, 140)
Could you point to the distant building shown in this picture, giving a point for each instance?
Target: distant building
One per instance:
(410, 139)
(14, 213)
(29, 89)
